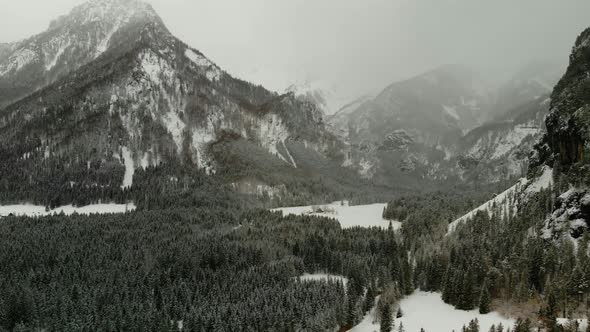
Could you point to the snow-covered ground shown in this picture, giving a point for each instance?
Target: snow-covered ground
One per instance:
(369, 324)
(428, 311)
(38, 211)
(129, 168)
(565, 322)
(506, 203)
(348, 216)
(322, 277)
(501, 203)
(543, 182)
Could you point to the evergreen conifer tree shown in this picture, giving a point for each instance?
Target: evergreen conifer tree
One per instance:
(400, 313)
(386, 318)
(369, 299)
(484, 301)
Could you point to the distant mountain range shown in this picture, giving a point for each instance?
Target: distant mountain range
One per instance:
(447, 125)
(107, 90)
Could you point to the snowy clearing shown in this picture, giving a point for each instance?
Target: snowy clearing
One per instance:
(428, 311)
(322, 277)
(348, 216)
(39, 211)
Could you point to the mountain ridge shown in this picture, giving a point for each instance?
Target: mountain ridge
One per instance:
(71, 41)
(153, 101)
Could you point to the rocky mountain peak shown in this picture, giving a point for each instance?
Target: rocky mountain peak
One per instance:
(106, 11)
(72, 41)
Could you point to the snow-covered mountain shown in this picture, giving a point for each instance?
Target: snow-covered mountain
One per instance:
(70, 42)
(507, 203)
(437, 126)
(566, 146)
(499, 150)
(559, 158)
(115, 90)
(429, 112)
(323, 94)
(533, 81)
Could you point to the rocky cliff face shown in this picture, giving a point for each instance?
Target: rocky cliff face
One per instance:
(429, 112)
(500, 150)
(566, 145)
(567, 137)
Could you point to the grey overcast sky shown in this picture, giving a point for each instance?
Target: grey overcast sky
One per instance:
(358, 46)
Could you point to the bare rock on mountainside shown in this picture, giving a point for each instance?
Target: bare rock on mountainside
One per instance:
(107, 89)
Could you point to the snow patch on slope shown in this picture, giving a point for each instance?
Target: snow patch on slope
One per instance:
(212, 72)
(129, 168)
(104, 43)
(504, 203)
(175, 127)
(513, 139)
(452, 111)
(56, 49)
(17, 61)
(289, 155)
(543, 182)
(366, 167)
(272, 133)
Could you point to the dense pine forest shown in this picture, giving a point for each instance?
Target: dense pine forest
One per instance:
(476, 177)
(210, 269)
(225, 268)
(491, 261)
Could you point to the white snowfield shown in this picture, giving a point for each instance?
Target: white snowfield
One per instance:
(428, 311)
(506, 203)
(348, 216)
(322, 277)
(39, 211)
(369, 322)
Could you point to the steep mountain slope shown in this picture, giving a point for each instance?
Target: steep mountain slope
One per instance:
(532, 82)
(319, 93)
(566, 146)
(150, 101)
(499, 150)
(436, 128)
(70, 42)
(410, 127)
(559, 159)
